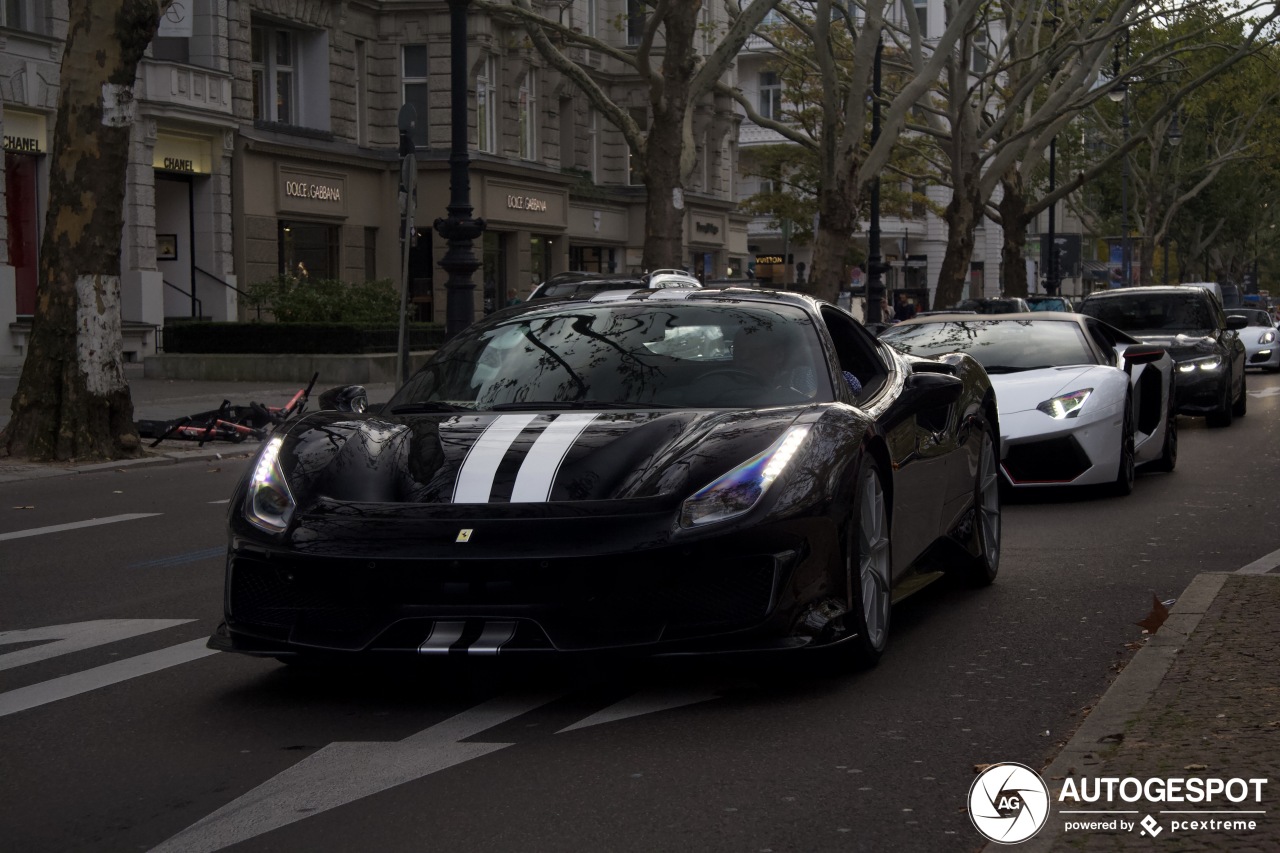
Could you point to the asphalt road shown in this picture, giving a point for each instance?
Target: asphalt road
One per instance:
(125, 734)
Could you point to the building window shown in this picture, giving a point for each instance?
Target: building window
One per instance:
(370, 254)
(275, 95)
(979, 62)
(637, 17)
(770, 95)
(593, 145)
(635, 177)
(26, 15)
(527, 110)
(308, 249)
(362, 92)
(414, 79)
(922, 15)
(593, 13)
(487, 108)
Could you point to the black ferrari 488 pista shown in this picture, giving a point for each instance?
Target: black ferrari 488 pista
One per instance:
(656, 472)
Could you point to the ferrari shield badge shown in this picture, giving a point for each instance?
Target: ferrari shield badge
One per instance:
(464, 535)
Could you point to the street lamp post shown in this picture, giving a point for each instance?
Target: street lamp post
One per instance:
(1120, 94)
(1173, 135)
(875, 266)
(460, 228)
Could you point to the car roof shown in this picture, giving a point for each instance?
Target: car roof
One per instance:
(1155, 288)
(971, 317)
(671, 294)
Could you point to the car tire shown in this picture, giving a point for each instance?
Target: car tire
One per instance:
(1241, 405)
(1126, 471)
(1169, 450)
(868, 567)
(984, 567)
(1223, 416)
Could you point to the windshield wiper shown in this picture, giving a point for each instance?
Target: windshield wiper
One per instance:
(572, 404)
(427, 406)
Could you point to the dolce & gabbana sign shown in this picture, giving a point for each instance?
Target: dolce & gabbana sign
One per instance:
(312, 192)
(526, 202)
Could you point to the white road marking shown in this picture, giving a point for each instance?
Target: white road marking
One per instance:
(1262, 565)
(538, 471)
(480, 467)
(648, 702)
(45, 692)
(344, 772)
(74, 525)
(223, 501)
(75, 637)
(1266, 392)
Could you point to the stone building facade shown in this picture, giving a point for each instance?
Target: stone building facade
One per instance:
(267, 144)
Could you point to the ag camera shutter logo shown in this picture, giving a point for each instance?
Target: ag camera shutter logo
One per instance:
(1008, 803)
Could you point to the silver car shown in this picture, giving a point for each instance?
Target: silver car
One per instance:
(1261, 338)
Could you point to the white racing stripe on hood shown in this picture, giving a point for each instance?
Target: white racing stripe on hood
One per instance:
(480, 468)
(538, 471)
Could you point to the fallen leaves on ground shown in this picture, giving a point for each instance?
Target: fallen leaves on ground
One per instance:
(1159, 613)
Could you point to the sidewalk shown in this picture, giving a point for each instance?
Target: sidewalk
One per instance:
(1201, 700)
(167, 399)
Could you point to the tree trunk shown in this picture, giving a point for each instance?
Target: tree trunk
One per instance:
(962, 218)
(669, 147)
(1014, 220)
(72, 400)
(837, 220)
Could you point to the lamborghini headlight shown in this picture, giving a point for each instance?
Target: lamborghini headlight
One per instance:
(1212, 362)
(744, 486)
(1268, 337)
(1067, 405)
(269, 504)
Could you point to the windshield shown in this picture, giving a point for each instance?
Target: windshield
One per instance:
(1001, 346)
(1255, 317)
(993, 306)
(622, 355)
(1052, 303)
(1153, 312)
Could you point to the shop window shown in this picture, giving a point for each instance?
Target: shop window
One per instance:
(413, 76)
(290, 76)
(309, 249)
(23, 220)
(487, 108)
(26, 15)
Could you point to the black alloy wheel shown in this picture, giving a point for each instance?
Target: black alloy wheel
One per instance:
(984, 567)
(868, 567)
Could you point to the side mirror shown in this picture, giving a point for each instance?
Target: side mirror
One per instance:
(348, 398)
(931, 391)
(1143, 354)
(1235, 321)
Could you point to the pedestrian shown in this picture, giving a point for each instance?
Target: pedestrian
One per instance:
(886, 314)
(904, 310)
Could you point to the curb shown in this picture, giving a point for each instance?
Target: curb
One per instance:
(22, 472)
(1126, 697)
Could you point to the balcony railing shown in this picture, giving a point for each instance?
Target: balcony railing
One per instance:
(185, 86)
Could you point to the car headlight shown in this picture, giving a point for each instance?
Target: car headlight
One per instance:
(269, 504)
(1212, 362)
(744, 486)
(1268, 337)
(1067, 405)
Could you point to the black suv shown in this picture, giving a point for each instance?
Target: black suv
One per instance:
(1201, 339)
(584, 285)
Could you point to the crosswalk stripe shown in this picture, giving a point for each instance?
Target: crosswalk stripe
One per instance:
(77, 636)
(25, 698)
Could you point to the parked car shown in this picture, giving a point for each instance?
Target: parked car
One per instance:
(1189, 322)
(726, 470)
(1261, 347)
(1049, 303)
(997, 305)
(1080, 403)
(584, 284)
